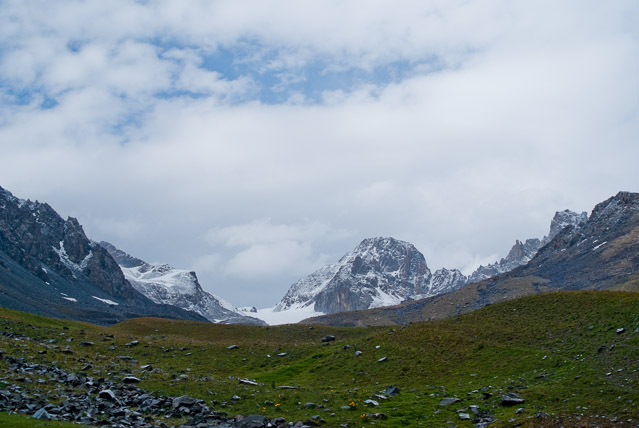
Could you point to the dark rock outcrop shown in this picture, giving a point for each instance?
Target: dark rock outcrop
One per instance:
(49, 266)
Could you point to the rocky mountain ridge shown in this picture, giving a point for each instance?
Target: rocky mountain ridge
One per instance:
(378, 272)
(600, 253)
(385, 271)
(49, 266)
(164, 284)
(522, 252)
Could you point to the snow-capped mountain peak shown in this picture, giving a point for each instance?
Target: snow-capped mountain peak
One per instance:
(178, 287)
(378, 272)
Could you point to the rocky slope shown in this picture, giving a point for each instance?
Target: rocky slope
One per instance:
(601, 253)
(48, 266)
(385, 271)
(378, 272)
(522, 252)
(166, 285)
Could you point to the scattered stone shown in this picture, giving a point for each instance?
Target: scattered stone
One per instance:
(42, 415)
(328, 338)
(146, 367)
(391, 390)
(183, 401)
(474, 408)
(248, 382)
(107, 394)
(125, 358)
(519, 411)
(232, 347)
(449, 400)
(381, 360)
(358, 353)
(464, 416)
(236, 398)
(86, 343)
(309, 405)
(371, 403)
(253, 421)
(511, 399)
(132, 343)
(282, 354)
(131, 379)
(620, 330)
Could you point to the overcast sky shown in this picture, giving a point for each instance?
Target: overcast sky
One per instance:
(255, 141)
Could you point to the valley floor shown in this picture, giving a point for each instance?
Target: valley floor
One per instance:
(556, 359)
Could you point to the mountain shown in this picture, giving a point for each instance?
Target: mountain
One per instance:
(48, 266)
(167, 285)
(522, 252)
(378, 272)
(600, 253)
(385, 271)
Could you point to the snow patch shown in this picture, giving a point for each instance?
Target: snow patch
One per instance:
(64, 258)
(596, 247)
(71, 299)
(289, 316)
(107, 301)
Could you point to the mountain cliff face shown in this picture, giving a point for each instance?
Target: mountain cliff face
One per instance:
(600, 253)
(378, 272)
(166, 285)
(522, 252)
(49, 266)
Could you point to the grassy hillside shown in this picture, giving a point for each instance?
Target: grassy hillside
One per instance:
(564, 353)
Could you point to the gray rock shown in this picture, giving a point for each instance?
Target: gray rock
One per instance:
(391, 390)
(328, 338)
(107, 394)
(371, 403)
(511, 399)
(449, 400)
(232, 347)
(381, 360)
(42, 415)
(464, 416)
(358, 353)
(252, 421)
(131, 379)
(183, 401)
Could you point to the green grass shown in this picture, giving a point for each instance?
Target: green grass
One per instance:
(25, 421)
(552, 349)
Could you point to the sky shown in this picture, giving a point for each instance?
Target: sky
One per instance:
(256, 141)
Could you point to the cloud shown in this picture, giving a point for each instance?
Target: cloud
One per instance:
(264, 249)
(285, 138)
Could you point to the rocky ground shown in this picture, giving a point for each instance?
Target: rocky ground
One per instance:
(51, 393)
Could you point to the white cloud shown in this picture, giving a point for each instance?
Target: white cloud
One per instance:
(506, 112)
(263, 249)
